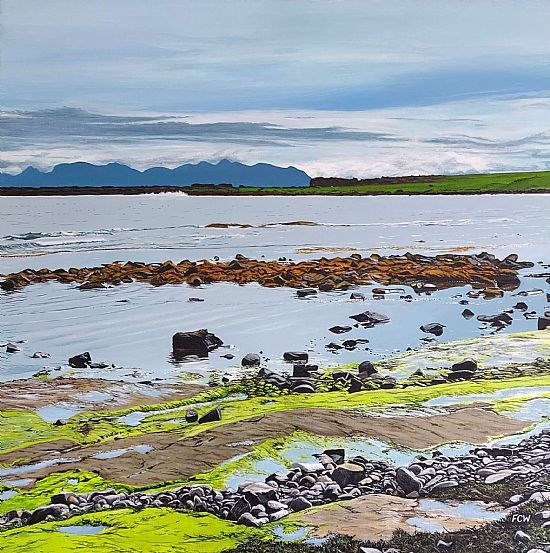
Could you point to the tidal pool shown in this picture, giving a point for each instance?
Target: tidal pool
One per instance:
(82, 530)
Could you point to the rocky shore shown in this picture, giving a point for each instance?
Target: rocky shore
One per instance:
(331, 477)
(424, 273)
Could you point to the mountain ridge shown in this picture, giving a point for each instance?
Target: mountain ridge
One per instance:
(82, 173)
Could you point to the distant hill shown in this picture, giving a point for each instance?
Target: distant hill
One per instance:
(117, 174)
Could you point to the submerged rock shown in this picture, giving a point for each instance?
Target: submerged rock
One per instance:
(433, 328)
(370, 317)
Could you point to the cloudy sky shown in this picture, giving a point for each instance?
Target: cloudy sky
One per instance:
(336, 87)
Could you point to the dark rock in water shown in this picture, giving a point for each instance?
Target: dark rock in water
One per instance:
(460, 375)
(347, 474)
(294, 356)
(81, 361)
(531, 315)
(8, 285)
(12, 348)
(466, 365)
(406, 297)
(40, 355)
(299, 504)
(195, 300)
(366, 367)
(301, 371)
(211, 416)
(191, 415)
(463, 302)
(60, 422)
(228, 356)
(433, 328)
(408, 481)
(337, 455)
(499, 320)
(521, 306)
(304, 292)
(350, 344)
(357, 296)
(340, 329)
(334, 346)
(251, 360)
(370, 317)
(198, 342)
(468, 313)
(543, 323)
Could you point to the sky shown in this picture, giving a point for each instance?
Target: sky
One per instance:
(336, 87)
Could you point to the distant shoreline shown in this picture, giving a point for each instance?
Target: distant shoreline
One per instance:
(490, 183)
(243, 192)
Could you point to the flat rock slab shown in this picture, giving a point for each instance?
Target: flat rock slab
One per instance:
(376, 517)
(31, 394)
(179, 459)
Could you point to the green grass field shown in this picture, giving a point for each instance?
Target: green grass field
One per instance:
(460, 184)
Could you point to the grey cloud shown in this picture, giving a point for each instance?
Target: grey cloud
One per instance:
(61, 124)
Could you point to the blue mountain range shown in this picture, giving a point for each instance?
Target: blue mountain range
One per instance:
(116, 174)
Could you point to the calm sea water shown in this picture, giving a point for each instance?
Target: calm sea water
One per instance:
(132, 325)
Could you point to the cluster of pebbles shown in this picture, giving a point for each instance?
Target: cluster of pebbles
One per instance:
(330, 478)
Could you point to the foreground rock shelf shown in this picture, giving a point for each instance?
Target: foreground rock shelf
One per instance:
(330, 478)
(424, 273)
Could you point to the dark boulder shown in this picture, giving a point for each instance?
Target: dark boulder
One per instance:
(191, 415)
(198, 342)
(211, 416)
(357, 296)
(460, 375)
(251, 360)
(258, 493)
(408, 481)
(304, 389)
(8, 285)
(468, 313)
(299, 504)
(12, 348)
(366, 367)
(433, 328)
(521, 306)
(40, 514)
(337, 455)
(347, 474)
(304, 371)
(81, 361)
(295, 356)
(543, 323)
(466, 365)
